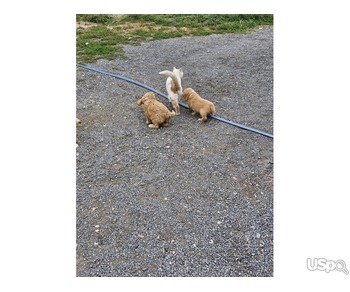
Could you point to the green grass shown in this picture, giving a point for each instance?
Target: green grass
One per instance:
(102, 35)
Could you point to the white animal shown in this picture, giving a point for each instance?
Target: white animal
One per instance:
(173, 87)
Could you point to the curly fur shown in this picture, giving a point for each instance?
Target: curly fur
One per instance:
(157, 114)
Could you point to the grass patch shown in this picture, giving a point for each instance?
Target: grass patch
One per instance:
(103, 35)
(95, 18)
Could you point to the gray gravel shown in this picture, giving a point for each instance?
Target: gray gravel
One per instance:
(190, 199)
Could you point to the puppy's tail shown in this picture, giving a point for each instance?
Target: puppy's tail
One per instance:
(212, 108)
(177, 84)
(171, 114)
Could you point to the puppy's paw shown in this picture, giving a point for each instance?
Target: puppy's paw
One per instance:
(152, 126)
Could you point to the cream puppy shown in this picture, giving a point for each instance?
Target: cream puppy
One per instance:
(173, 87)
(157, 114)
(198, 104)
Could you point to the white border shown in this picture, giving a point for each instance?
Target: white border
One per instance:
(311, 119)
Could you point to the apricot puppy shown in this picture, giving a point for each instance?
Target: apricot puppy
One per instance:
(198, 104)
(157, 114)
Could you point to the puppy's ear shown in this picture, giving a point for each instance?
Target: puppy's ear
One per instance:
(140, 101)
(181, 72)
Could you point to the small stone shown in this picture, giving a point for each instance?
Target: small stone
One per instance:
(258, 235)
(97, 230)
(219, 222)
(97, 226)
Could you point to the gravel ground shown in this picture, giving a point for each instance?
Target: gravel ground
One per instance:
(191, 199)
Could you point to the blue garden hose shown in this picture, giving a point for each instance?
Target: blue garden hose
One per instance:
(183, 105)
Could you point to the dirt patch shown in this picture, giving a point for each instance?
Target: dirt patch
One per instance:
(84, 25)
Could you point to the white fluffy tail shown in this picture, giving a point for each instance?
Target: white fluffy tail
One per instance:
(167, 73)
